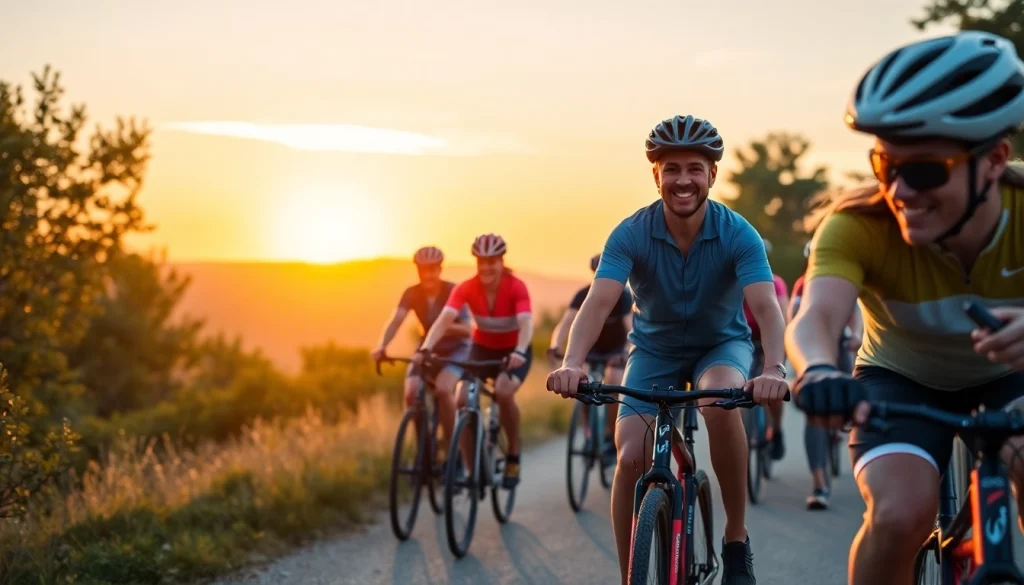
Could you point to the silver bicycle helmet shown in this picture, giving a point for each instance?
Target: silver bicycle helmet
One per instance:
(967, 87)
(685, 133)
(489, 246)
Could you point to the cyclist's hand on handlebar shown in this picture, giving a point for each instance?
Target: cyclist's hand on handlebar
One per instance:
(566, 380)
(767, 389)
(418, 357)
(1005, 346)
(830, 397)
(378, 354)
(515, 359)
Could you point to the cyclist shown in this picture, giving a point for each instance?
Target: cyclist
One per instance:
(503, 329)
(611, 340)
(426, 300)
(778, 447)
(945, 224)
(817, 439)
(689, 262)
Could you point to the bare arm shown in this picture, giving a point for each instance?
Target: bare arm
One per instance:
(525, 321)
(397, 317)
(439, 328)
(824, 311)
(784, 304)
(586, 327)
(764, 305)
(560, 335)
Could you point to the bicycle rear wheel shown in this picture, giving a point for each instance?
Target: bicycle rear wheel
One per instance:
(407, 471)
(579, 456)
(502, 499)
(434, 469)
(597, 431)
(835, 440)
(755, 461)
(462, 489)
(652, 539)
(702, 566)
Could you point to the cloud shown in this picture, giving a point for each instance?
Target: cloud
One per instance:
(353, 138)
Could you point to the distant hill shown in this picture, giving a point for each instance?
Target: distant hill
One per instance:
(280, 307)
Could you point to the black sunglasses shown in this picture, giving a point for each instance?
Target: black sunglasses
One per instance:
(920, 173)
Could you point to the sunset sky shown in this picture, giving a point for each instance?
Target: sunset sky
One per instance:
(322, 130)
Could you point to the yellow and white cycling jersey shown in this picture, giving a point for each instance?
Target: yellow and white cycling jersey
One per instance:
(912, 297)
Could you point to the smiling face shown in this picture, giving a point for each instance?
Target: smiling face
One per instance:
(489, 269)
(684, 180)
(926, 184)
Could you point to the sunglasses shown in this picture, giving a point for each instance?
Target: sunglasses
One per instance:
(920, 173)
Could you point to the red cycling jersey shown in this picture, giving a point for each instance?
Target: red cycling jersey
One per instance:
(496, 328)
(780, 290)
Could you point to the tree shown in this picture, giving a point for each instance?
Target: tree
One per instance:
(136, 330)
(24, 467)
(66, 202)
(773, 194)
(1004, 17)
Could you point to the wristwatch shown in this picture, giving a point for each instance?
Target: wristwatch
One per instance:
(781, 368)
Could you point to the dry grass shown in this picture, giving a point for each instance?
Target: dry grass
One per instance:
(149, 510)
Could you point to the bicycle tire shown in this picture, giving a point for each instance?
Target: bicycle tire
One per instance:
(502, 511)
(927, 570)
(401, 529)
(702, 567)
(605, 472)
(754, 459)
(472, 485)
(579, 455)
(435, 471)
(833, 450)
(652, 534)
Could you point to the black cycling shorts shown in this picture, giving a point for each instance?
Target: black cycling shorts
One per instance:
(929, 441)
(478, 353)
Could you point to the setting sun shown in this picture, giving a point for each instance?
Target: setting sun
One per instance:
(328, 226)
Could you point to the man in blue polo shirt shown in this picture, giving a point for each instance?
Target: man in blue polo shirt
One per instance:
(690, 263)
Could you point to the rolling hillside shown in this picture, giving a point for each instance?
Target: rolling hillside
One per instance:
(280, 307)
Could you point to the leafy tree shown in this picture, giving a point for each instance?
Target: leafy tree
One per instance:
(1002, 17)
(66, 202)
(136, 330)
(773, 194)
(24, 467)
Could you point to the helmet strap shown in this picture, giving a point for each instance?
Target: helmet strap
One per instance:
(975, 198)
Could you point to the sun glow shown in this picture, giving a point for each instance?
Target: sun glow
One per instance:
(328, 226)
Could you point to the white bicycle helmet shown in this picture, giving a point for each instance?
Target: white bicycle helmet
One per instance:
(428, 255)
(488, 246)
(967, 87)
(685, 133)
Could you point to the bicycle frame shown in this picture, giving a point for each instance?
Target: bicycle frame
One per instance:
(986, 514)
(474, 387)
(668, 446)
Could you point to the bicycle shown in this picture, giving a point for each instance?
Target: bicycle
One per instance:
(759, 458)
(425, 418)
(951, 556)
(592, 437)
(487, 468)
(662, 499)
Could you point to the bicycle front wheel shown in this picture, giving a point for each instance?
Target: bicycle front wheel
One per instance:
(434, 469)
(701, 567)
(652, 540)
(755, 462)
(502, 499)
(462, 487)
(407, 472)
(579, 456)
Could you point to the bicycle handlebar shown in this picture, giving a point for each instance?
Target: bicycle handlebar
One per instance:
(995, 422)
(597, 393)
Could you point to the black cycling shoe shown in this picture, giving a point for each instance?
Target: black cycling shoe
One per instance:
(737, 563)
(778, 446)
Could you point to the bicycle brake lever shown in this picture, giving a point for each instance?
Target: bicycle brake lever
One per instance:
(729, 404)
(587, 398)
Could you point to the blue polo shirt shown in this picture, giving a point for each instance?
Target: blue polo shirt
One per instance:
(685, 301)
